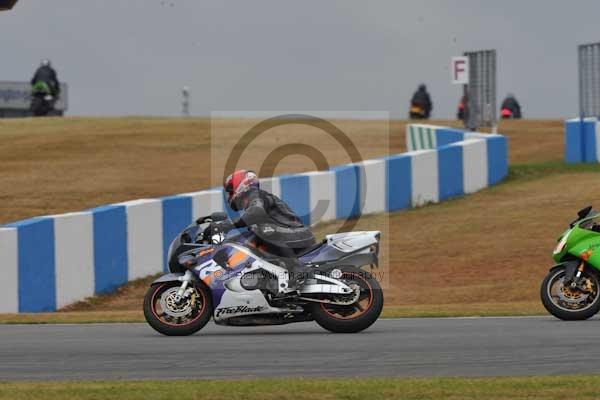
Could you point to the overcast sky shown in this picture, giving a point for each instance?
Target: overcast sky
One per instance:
(131, 57)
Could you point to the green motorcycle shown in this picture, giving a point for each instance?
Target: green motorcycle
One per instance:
(42, 99)
(570, 290)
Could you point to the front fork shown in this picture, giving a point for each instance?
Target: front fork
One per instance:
(183, 292)
(577, 277)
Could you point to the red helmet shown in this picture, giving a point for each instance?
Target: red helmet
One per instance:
(238, 183)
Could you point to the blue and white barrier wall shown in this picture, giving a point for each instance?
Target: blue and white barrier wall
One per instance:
(52, 261)
(425, 137)
(582, 140)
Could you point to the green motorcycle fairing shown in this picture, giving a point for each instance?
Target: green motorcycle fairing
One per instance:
(578, 240)
(40, 87)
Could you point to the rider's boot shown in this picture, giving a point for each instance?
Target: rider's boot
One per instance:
(298, 274)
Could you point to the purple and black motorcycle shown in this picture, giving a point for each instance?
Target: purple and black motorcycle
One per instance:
(227, 278)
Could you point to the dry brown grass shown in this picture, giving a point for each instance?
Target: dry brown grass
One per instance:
(51, 166)
(56, 165)
(128, 298)
(534, 141)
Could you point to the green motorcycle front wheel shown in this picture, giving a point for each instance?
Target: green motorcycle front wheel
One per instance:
(567, 303)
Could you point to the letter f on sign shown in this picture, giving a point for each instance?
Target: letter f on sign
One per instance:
(460, 70)
(459, 66)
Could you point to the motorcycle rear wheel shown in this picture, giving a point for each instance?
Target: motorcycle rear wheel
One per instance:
(357, 316)
(174, 319)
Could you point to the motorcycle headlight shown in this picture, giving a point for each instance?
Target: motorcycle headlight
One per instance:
(562, 243)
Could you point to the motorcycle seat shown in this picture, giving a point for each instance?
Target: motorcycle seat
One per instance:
(310, 249)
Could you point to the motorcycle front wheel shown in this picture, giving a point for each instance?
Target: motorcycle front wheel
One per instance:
(567, 303)
(358, 315)
(172, 318)
(38, 107)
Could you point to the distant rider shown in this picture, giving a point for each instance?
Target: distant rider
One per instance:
(510, 107)
(420, 104)
(45, 73)
(276, 228)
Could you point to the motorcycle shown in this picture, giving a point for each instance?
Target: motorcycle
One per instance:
(570, 289)
(505, 113)
(42, 100)
(417, 112)
(215, 274)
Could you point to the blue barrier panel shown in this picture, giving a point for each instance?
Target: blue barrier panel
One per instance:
(573, 142)
(347, 191)
(589, 142)
(110, 248)
(177, 214)
(497, 158)
(450, 171)
(295, 191)
(445, 136)
(37, 270)
(398, 182)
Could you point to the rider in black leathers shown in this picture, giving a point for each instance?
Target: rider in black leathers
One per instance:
(277, 229)
(422, 100)
(511, 104)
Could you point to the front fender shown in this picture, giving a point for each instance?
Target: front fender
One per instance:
(172, 277)
(570, 268)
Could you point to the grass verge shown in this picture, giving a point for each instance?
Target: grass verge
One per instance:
(556, 387)
(528, 171)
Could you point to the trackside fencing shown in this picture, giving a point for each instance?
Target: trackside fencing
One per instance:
(582, 140)
(49, 262)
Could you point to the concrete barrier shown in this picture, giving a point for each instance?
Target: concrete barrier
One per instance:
(427, 137)
(582, 141)
(49, 262)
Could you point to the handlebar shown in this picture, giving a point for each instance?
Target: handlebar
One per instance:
(214, 217)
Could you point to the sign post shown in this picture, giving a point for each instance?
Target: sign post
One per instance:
(589, 80)
(481, 91)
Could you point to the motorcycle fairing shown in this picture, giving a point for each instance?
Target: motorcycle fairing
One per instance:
(229, 298)
(349, 248)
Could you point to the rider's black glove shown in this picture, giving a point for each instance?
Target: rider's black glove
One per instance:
(222, 227)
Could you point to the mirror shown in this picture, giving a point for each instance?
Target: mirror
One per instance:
(218, 216)
(584, 212)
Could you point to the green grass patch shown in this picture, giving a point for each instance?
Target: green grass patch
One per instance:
(527, 171)
(557, 387)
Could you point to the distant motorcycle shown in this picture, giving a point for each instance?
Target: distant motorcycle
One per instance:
(570, 290)
(417, 112)
(505, 113)
(42, 100)
(226, 278)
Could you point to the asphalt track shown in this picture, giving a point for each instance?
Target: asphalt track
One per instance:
(392, 347)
